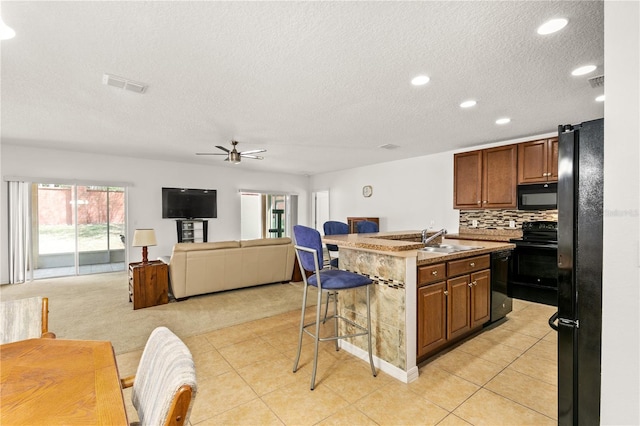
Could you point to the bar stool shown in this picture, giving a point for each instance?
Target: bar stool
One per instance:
(309, 253)
(366, 227)
(333, 227)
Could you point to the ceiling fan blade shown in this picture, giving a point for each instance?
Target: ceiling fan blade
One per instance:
(255, 157)
(222, 148)
(209, 153)
(253, 151)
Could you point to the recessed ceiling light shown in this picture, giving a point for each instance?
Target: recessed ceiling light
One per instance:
(551, 26)
(583, 70)
(420, 80)
(600, 98)
(468, 104)
(504, 120)
(6, 32)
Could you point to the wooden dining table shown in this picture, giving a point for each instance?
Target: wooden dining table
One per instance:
(60, 382)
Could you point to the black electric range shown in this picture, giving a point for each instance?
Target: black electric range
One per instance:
(533, 268)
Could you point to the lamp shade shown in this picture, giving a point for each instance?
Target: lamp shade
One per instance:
(144, 238)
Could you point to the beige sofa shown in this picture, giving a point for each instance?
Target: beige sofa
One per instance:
(199, 268)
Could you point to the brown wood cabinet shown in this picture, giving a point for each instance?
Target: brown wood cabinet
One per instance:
(485, 178)
(148, 284)
(451, 305)
(353, 223)
(538, 161)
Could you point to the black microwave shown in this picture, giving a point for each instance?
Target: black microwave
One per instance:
(538, 196)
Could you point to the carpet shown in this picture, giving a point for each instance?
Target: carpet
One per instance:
(97, 307)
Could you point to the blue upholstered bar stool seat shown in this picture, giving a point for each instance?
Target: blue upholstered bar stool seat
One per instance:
(366, 227)
(309, 253)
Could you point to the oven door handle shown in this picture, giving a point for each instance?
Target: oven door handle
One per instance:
(527, 244)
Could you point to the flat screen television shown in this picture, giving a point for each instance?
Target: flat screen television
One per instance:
(186, 203)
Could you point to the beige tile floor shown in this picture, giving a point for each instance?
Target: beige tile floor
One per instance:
(505, 375)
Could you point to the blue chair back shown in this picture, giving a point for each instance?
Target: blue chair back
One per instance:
(333, 227)
(309, 238)
(366, 227)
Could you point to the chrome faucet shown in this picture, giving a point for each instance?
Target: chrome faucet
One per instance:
(427, 240)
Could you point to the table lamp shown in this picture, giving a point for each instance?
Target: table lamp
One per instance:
(143, 238)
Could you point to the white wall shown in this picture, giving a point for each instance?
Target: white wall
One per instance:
(408, 194)
(621, 284)
(145, 198)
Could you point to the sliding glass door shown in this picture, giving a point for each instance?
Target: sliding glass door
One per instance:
(77, 229)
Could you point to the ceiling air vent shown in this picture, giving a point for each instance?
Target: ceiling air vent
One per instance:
(389, 146)
(123, 83)
(597, 81)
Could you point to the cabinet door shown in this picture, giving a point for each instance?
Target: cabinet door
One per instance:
(552, 160)
(480, 298)
(432, 314)
(458, 307)
(467, 180)
(499, 177)
(532, 161)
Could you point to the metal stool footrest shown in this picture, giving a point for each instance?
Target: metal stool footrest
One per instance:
(342, 336)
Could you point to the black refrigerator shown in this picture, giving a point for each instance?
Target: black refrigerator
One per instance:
(579, 317)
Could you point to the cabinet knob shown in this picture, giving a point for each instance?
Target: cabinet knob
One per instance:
(475, 283)
(478, 202)
(446, 293)
(472, 264)
(434, 273)
(470, 285)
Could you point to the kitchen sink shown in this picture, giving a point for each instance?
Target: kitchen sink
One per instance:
(449, 248)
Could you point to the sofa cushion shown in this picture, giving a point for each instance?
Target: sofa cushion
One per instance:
(206, 246)
(265, 242)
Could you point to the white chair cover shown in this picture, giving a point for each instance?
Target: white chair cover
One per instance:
(21, 319)
(165, 366)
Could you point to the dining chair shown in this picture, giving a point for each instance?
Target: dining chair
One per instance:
(24, 319)
(366, 227)
(164, 386)
(310, 256)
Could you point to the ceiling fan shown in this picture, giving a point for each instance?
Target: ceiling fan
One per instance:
(234, 156)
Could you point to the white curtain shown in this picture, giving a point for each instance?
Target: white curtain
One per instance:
(19, 232)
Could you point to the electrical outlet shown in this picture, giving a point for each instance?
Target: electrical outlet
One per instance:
(512, 224)
(474, 223)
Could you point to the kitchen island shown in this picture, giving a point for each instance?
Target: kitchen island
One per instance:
(392, 260)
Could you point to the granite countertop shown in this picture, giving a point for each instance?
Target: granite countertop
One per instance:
(408, 244)
(380, 241)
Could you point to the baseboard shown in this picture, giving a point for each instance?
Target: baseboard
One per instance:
(382, 365)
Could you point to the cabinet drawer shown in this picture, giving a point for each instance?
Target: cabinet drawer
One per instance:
(431, 273)
(470, 264)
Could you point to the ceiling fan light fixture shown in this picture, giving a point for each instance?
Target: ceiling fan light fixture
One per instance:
(234, 157)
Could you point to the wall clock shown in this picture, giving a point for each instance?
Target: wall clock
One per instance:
(367, 190)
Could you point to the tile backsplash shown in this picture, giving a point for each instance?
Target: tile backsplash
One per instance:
(499, 219)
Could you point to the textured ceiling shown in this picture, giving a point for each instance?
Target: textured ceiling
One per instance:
(320, 85)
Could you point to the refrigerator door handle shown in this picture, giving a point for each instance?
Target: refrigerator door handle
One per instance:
(569, 323)
(552, 321)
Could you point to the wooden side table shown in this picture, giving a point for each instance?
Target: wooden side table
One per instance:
(148, 284)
